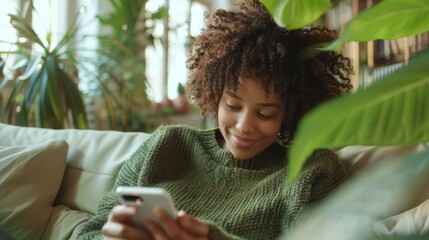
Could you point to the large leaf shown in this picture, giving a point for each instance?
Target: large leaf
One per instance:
(389, 19)
(392, 112)
(294, 14)
(380, 192)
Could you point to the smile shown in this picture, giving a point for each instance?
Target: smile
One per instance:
(242, 142)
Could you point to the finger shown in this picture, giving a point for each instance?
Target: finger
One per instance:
(122, 214)
(168, 224)
(192, 225)
(121, 231)
(156, 231)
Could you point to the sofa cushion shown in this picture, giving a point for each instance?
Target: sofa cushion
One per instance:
(357, 159)
(63, 223)
(30, 177)
(412, 222)
(412, 216)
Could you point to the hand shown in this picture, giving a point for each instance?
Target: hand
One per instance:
(184, 227)
(120, 225)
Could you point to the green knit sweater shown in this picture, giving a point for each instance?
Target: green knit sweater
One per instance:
(239, 199)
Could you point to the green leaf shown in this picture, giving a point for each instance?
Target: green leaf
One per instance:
(389, 19)
(373, 195)
(160, 13)
(53, 91)
(73, 100)
(25, 30)
(31, 91)
(294, 14)
(391, 112)
(31, 66)
(43, 101)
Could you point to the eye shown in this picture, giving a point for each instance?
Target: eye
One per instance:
(232, 107)
(264, 116)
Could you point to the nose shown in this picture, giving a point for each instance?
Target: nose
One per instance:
(245, 123)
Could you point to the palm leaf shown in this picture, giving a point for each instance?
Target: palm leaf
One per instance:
(31, 91)
(392, 112)
(294, 14)
(25, 30)
(44, 81)
(390, 19)
(53, 89)
(31, 66)
(42, 106)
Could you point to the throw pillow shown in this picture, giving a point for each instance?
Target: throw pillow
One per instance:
(30, 177)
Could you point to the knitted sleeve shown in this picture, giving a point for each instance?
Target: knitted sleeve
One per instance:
(218, 233)
(127, 176)
(321, 174)
(326, 173)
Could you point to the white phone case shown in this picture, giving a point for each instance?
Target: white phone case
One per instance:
(146, 198)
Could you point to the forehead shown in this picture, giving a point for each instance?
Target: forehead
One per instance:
(254, 88)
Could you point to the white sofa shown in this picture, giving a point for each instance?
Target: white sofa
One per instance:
(51, 180)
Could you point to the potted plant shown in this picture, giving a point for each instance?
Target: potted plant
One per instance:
(43, 83)
(121, 64)
(393, 111)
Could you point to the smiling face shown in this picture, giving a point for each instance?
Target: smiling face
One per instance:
(249, 121)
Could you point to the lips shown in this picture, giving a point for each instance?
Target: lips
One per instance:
(242, 142)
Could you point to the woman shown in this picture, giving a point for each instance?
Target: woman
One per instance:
(245, 73)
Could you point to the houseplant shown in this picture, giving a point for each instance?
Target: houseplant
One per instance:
(120, 79)
(391, 112)
(121, 63)
(44, 89)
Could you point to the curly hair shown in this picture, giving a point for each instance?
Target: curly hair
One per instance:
(235, 42)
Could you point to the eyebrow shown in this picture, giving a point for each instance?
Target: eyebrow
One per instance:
(264, 104)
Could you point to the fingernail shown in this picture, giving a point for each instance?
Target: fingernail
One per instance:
(181, 213)
(157, 211)
(132, 210)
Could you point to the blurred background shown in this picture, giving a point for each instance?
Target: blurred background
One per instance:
(120, 65)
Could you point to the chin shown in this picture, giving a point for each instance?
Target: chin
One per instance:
(242, 156)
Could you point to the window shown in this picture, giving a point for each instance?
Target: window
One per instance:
(8, 34)
(185, 20)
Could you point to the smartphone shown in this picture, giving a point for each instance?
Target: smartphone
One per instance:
(145, 199)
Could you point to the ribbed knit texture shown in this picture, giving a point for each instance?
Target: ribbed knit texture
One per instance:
(239, 199)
